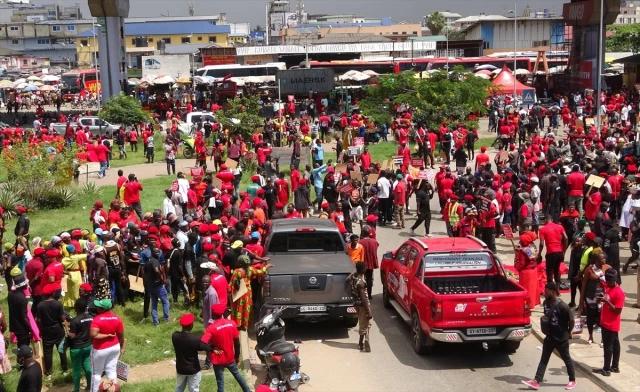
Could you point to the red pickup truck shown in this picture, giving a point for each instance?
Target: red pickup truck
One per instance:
(454, 290)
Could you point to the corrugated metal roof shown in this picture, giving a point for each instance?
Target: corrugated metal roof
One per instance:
(347, 38)
(170, 28)
(187, 48)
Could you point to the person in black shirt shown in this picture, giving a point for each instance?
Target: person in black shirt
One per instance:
(187, 346)
(18, 307)
(423, 198)
(22, 225)
(31, 376)
(561, 324)
(80, 343)
(50, 317)
(178, 277)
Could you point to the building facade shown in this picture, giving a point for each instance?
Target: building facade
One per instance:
(530, 33)
(46, 12)
(382, 28)
(629, 13)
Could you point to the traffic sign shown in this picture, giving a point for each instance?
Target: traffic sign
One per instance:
(528, 96)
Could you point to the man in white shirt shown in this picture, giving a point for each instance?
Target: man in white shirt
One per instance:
(384, 196)
(167, 204)
(183, 188)
(182, 234)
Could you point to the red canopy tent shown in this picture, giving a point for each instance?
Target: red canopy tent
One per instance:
(504, 83)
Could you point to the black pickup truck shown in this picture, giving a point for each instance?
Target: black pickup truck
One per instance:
(310, 272)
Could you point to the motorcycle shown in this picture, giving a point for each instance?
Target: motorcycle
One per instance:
(188, 147)
(279, 356)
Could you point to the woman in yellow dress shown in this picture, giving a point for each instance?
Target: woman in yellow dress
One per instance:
(73, 269)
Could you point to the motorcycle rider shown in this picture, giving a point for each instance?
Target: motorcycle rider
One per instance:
(362, 304)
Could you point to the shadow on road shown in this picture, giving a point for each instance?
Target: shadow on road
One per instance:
(445, 356)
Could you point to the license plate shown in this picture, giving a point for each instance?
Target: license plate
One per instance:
(481, 331)
(313, 308)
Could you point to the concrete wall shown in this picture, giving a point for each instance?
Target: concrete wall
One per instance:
(530, 33)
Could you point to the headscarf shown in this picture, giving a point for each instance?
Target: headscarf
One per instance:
(244, 261)
(36, 242)
(528, 237)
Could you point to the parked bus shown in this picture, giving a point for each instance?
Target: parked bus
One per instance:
(240, 71)
(74, 82)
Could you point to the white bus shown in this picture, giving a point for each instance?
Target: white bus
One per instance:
(241, 71)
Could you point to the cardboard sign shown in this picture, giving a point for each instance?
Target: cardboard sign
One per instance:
(358, 141)
(508, 233)
(122, 371)
(595, 181)
(216, 182)
(354, 150)
(346, 188)
(417, 162)
(589, 121)
(484, 204)
(385, 164)
(355, 175)
(579, 124)
(231, 164)
(423, 175)
(341, 168)
(431, 174)
(397, 160)
(136, 284)
(372, 179)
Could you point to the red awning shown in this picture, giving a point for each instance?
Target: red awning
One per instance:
(504, 83)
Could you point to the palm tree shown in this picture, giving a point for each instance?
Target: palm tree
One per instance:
(259, 28)
(436, 23)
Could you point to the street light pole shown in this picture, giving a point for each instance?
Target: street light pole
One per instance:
(515, 47)
(599, 67)
(95, 61)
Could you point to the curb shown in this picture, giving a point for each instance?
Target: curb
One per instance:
(626, 371)
(245, 353)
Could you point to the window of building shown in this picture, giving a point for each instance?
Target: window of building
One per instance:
(149, 39)
(404, 33)
(415, 33)
(52, 12)
(199, 38)
(84, 42)
(14, 28)
(56, 28)
(14, 42)
(71, 28)
(167, 40)
(395, 33)
(73, 15)
(44, 41)
(186, 40)
(212, 38)
(25, 62)
(133, 41)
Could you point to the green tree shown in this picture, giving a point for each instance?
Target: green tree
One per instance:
(259, 28)
(455, 35)
(123, 109)
(625, 38)
(439, 97)
(241, 116)
(436, 23)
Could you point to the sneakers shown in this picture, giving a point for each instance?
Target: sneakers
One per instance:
(602, 372)
(570, 386)
(411, 232)
(615, 370)
(532, 384)
(429, 235)
(367, 346)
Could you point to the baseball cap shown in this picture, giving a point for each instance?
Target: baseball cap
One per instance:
(237, 244)
(218, 309)
(23, 351)
(104, 303)
(187, 319)
(553, 287)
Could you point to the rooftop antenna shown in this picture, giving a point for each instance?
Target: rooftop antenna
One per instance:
(192, 10)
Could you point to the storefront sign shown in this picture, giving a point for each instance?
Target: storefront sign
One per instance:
(582, 72)
(337, 48)
(259, 59)
(218, 60)
(579, 13)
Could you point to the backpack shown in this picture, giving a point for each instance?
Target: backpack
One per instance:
(545, 319)
(113, 257)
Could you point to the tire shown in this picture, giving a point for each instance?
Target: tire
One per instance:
(187, 153)
(386, 301)
(422, 343)
(350, 322)
(510, 346)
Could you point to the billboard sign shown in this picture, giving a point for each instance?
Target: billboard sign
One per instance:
(218, 60)
(174, 65)
(578, 13)
(302, 81)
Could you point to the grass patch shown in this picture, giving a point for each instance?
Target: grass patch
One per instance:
(208, 384)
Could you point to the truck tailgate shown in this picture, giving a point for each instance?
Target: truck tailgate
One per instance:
(309, 288)
(483, 310)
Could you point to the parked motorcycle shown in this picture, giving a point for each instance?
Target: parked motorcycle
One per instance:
(279, 356)
(188, 147)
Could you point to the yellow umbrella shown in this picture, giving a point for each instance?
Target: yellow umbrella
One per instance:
(184, 79)
(37, 84)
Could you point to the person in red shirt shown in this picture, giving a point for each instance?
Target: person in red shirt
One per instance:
(34, 271)
(132, 190)
(405, 152)
(222, 334)
(295, 178)
(610, 320)
(575, 188)
(338, 217)
(107, 334)
(399, 199)
(365, 159)
(488, 223)
(133, 140)
(482, 158)
(324, 126)
(102, 154)
(591, 207)
(555, 238)
(282, 189)
(54, 270)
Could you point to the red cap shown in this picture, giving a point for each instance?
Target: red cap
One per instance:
(38, 251)
(330, 169)
(153, 237)
(98, 204)
(469, 197)
(218, 309)
(325, 205)
(52, 253)
(260, 191)
(86, 286)
(279, 205)
(187, 319)
(255, 178)
(224, 219)
(21, 209)
(214, 228)
(216, 237)
(223, 166)
(303, 181)
(194, 224)
(483, 149)
(208, 247)
(164, 229)
(506, 186)
(453, 196)
(153, 230)
(371, 218)
(76, 233)
(590, 236)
